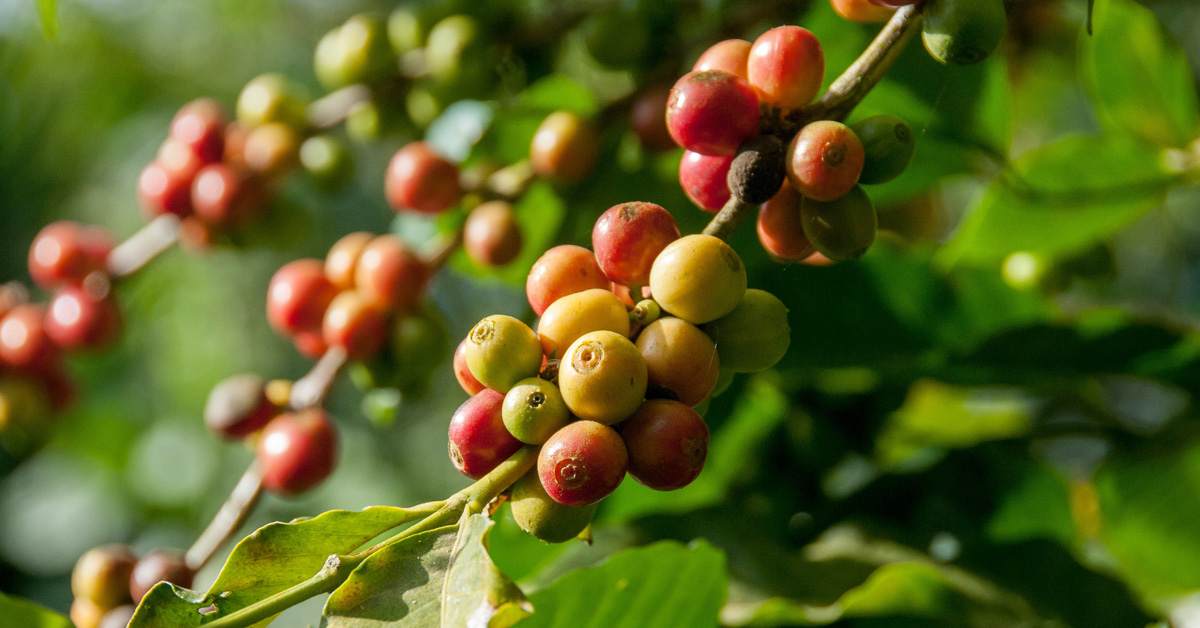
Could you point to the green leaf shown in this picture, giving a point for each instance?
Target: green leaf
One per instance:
(442, 577)
(270, 560)
(26, 614)
(1139, 75)
(48, 13)
(663, 585)
(559, 92)
(1062, 198)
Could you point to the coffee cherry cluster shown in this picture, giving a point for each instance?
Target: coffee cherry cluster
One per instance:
(109, 581)
(606, 386)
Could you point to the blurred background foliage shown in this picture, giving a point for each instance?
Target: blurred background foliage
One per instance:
(988, 420)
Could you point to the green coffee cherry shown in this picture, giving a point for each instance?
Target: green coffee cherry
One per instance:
(963, 32)
(724, 381)
(502, 351)
(271, 98)
(405, 30)
(355, 52)
(419, 344)
(889, 143)
(841, 229)
(534, 410)
(327, 159)
(450, 43)
(754, 336)
(545, 518)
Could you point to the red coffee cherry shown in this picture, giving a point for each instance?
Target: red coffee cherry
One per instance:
(161, 565)
(238, 407)
(712, 112)
(161, 192)
(341, 263)
(389, 275)
(178, 159)
(226, 197)
(667, 443)
(478, 439)
(680, 358)
(564, 147)
(825, 160)
(704, 180)
(786, 66)
(66, 252)
(582, 463)
(356, 325)
(577, 314)
(648, 120)
(862, 11)
(420, 180)
(200, 125)
(602, 377)
(297, 297)
(780, 229)
(627, 238)
(310, 344)
(491, 235)
(101, 575)
(562, 270)
(24, 344)
(462, 372)
(297, 451)
(731, 55)
(79, 319)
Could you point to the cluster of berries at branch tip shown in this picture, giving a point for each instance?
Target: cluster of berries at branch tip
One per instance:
(69, 260)
(607, 386)
(109, 581)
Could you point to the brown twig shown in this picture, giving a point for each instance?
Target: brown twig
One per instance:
(311, 390)
(229, 518)
(157, 236)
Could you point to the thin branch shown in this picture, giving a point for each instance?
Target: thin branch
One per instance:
(441, 254)
(229, 518)
(731, 216)
(157, 236)
(311, 390)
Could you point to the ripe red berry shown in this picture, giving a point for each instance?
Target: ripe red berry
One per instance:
(159, 566)
(564, 147)
(704, 180)
(178, 160)
(729, 56)
(297, 297)
(825, 160)
(353, 323)
(80, 319)
(478, 439)
(24, 343)
(491, 235)
(582, 463)
(648, 119)
(200, 125)
(389, 275)
(341, 263)
(786, 66)
(462, 372)
(667, 443)
(780, 229)
(420, 180)
(863, 11)
(161, 192)
(562, 270)
(297, 451)
(66, 252)
(310, 344)
(238, 407)
(226, 197)
(627, 238)
(712, 112)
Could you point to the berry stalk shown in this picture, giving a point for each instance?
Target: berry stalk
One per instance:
(156, 237)
(229, 518)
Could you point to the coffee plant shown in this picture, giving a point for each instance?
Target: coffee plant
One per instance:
(945, 379)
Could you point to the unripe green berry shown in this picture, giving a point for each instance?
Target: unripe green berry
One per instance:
(602, 377)
(327, 159)
(355, 52)
(754, 336)
(698, 278)
(889, 144)
(502, 351)
(538, 514)
(841, 229)
(534, 410)
(419, 342)
(645, 312)
(271, 98)
(963, 32)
